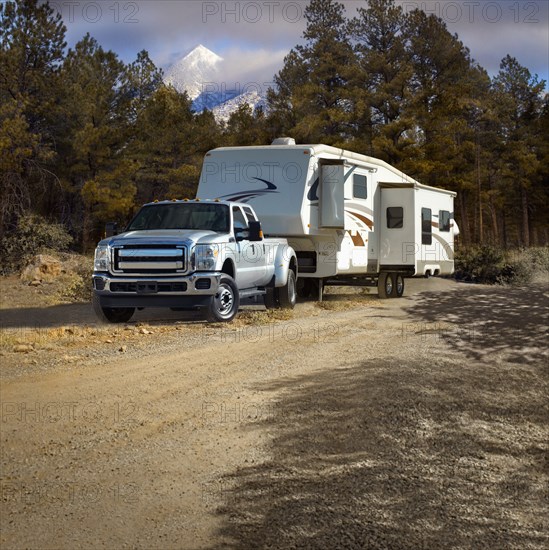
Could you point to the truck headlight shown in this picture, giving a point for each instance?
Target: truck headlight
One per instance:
(205, 257)
(102, 258)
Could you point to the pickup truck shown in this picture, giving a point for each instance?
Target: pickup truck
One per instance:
(191, 254)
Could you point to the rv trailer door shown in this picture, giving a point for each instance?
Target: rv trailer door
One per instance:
(397, 243)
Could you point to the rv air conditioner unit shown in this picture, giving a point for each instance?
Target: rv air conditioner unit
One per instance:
(283, 141)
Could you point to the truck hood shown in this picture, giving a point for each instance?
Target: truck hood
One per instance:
(187, 237)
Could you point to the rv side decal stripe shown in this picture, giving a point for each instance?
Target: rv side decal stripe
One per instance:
(357, 239)
(363, 219)
(446, 245)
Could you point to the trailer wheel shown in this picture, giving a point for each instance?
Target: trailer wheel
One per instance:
(399, 285)
(224, 304)
(111, 314)
(287, 294)
(385, 286)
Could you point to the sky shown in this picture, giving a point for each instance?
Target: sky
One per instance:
(254, 36)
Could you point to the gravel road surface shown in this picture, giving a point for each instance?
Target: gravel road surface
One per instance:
(419, 422)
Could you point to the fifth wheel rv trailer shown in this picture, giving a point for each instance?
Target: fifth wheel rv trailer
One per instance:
(352, 219)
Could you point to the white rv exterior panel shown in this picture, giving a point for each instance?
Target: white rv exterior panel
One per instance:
(274, 184)
(339, 225)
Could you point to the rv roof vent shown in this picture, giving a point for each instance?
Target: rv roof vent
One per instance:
(283, 141)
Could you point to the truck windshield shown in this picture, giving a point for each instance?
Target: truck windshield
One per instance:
(212, 217)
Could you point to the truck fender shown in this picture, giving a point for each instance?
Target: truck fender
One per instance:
(285, 259)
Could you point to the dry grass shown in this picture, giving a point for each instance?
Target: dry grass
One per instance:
(345, 298)
(246, 318)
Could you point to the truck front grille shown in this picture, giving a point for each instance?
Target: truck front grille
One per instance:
(150, 259)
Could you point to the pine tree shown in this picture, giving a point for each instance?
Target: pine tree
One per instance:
(542, 188)
(313, 82)
(32, 40)
(245, 127)
(447, 89)
(141, 79)
(95, 128)
(520, 106)
(382, 81)
(164, 147)
(282, 117)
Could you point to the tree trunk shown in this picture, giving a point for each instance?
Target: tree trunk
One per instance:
(504, 229)
(479, 188)
(495, 227)
(525, 224)
(464, 221)
(86, 230)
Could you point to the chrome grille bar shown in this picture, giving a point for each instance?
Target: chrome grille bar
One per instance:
(149, 260)
(153, 252)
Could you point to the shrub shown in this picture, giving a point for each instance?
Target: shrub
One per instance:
(490, 265)
(482, 264)
(32, 236)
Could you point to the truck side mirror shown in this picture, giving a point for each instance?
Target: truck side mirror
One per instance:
(256, 233)
(111, 229)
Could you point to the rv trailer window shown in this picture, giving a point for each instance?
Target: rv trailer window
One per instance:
(395, 217)
(444, 220)
(360, 187)
(426, 227)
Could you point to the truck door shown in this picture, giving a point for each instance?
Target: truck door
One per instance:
(259, 253)
(397, 246)
(250, 269)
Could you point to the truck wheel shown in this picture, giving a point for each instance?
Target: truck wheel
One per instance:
(111, 314)
(398, 285)
(271, 298)
(224, 305)
(385, 285)
(305, 288)
(287, 294)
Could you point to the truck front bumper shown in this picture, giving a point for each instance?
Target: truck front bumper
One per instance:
(190, 291)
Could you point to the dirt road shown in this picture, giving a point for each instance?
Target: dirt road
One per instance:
(413, 423)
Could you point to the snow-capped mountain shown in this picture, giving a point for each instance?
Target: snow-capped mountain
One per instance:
(200, 74)
(224, 111)
(193, 71)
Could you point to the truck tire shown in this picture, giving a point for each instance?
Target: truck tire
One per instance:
(385, 285)
(111, 314)
(287, 294)
(306, 288)
(271, 298)
(224, 305)
(398, 287)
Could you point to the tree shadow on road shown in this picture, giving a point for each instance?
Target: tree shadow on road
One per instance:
(81, 314)
(47, 317)
(389, 455)
(490, 320)
(411, 454)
